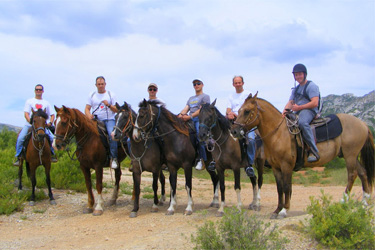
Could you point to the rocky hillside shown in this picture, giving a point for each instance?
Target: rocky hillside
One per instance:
(9, 127)
(361, 107)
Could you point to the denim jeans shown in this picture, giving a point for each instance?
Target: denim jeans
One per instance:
(305, 117)
(109, 124)
(22, 136)
(201, 145)
(250, 147)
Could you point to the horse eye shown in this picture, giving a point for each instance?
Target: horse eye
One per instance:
(247, 112)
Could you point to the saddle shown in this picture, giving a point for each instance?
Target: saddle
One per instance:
(324, 129)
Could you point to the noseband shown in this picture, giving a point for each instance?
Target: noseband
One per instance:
(68, 136)
(127, 126)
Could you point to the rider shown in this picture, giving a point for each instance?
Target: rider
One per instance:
(152, 91)
(35, 103)
(103, 103)
(235, 102)
(193, 106)
(305, 106)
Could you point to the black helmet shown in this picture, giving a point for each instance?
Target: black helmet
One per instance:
(299, 68)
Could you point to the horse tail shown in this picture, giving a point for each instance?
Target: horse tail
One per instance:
(367, 158)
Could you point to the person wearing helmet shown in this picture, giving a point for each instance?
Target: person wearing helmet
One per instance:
(304, 101)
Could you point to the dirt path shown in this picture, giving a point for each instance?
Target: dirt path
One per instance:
(65, 227)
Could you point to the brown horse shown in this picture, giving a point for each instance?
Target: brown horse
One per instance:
(91, 152)
(355, 141)
(145, 156)
(226, 151)
(38, 153)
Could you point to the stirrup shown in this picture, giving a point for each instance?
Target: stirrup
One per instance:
(250, 171)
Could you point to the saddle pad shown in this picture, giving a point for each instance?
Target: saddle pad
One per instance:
(330, 130)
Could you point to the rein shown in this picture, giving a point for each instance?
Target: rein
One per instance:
(35, 138)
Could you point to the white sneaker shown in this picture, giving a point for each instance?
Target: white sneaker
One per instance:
(199, 165)
(114, 164)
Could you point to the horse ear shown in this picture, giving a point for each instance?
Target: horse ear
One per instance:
(213, 103)
(56, 108)
(256, 94)
(45, 110)
(249, 97)
(117, 106)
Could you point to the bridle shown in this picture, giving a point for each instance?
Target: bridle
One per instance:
(38, 138)
(127, 126)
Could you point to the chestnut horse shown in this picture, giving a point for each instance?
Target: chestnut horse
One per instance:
(355, 141)
(91, 152)
(155, 121)
(38, 153)
(145, 156)
(214, 129)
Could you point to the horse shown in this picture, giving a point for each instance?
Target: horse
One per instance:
(145, 156)
(38, 153)
(91, 153)
(356, 140)
(155, 121)
(214, 130)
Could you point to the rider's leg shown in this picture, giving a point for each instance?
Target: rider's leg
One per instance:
(112, 144)
(201, 148)
(250, 151)
(19, 145)
(305, 117)
(50, 136)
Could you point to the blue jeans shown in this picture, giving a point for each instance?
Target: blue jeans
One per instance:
(109, 124)
(201, 146)
(22, 136)
(305, 117)
(250, 148)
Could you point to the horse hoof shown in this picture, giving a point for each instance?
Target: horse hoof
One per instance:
(133, 215)
(188, 212)
(215, 205)
(52, 202)
(32, 203)
(219, 214)
(97, 212)
(254, 207)
(111, 203)
(273, 216)
(160, 203)
(169, 212)
(87, 210)
(281, 216)
(154, 210)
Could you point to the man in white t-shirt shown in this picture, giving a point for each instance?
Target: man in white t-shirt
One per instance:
(235, 102)
(102, 102)
(35, 103)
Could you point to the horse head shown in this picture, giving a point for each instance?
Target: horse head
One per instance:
(207, 121)
(124, 121)
(247, 116)
(38, 121)
(146, 118)
(64, 128)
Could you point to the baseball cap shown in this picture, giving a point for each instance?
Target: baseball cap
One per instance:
(197, 80)
(153, 85)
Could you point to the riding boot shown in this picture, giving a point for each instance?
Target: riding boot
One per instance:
(250, 171)
(17, 162)
(212, 166)
(114, 164)
(313, 156)
(53, 158)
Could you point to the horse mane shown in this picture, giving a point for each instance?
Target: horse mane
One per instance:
(39, 112)
(263, 100)
(129, 107)
(221, 119)
(177, 123)
(85, 122)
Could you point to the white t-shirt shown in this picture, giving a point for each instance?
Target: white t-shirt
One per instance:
(236, 100)
(98, 108)
(36, 104)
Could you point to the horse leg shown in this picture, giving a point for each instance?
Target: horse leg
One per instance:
(220, 171)
(20, 172)
(255, 203)
(287, 188)
(366, 189)
(162, 183)
(215, 183)
(90, 195)
(188, 186)
(47, 168)
(280, 192)
(237, 186)
(33, 185)
(155, 178)
(136, 191)
(173, 183)
(99, 186)
(116, 188)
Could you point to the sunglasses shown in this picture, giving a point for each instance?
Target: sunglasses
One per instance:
(38, 89)
(152, 89)
(198, 83)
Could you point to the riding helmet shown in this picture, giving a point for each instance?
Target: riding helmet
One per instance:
(299, 68)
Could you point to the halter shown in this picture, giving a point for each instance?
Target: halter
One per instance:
(35, 138)
(127, 125)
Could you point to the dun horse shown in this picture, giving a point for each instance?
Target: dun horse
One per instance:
(355, 141)
(155, 121)
(38, 153)
(226, 151)
(145, 156)
(91, 153)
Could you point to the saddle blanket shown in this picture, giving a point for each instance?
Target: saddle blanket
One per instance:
(330, 130)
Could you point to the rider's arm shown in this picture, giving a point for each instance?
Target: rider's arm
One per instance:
(27, 116)
(87, 111)
(51, 119)
(229, 114)
(310, 105)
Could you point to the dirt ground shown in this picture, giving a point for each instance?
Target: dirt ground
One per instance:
(64, 226)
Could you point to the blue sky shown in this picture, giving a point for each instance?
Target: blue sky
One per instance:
(64, 45)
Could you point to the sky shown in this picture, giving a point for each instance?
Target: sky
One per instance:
(65, 45)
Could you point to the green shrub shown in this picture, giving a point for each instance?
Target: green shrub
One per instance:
(336, 163)
(347, 225)
(238, 230)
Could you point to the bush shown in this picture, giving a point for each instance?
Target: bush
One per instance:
(238, 230)
(347, 225)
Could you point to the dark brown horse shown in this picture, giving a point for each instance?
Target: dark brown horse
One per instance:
(145, 156)
(91, 152)
(214, 130)
(155, 121)
(355, 142)
(38, 153)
